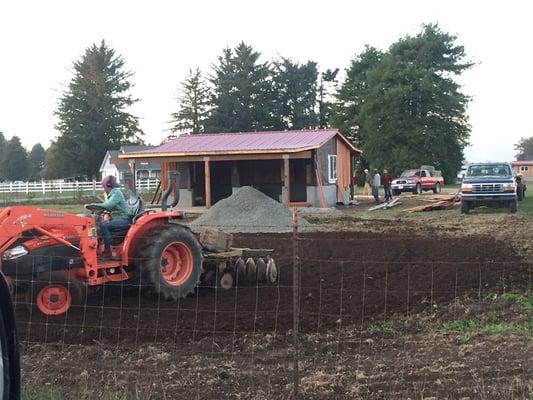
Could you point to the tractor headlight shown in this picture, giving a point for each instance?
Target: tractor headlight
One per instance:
(14, 252)
(466, 187)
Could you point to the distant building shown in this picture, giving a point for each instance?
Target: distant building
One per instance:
(144, 170)
(525, 168)
(311, 167)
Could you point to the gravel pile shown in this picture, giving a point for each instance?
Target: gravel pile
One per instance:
(248, 210)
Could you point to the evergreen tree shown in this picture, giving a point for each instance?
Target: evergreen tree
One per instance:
(328, 80)
(524, 149)
(92, 113)
(53, 163)
(405, 107)
(295, 88)
(36, 162)
(193, 104)
(14, 163)
(353, 92)
(242, 94)
(3, 145)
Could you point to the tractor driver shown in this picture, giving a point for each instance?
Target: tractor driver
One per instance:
(116, 205)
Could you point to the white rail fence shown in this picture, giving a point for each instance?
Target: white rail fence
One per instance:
(55, 187)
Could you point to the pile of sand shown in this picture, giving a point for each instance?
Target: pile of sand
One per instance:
(248, 210)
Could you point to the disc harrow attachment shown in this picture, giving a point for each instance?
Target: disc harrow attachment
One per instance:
(239, 267)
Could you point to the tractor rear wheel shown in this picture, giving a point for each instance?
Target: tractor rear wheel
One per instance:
(171, 262)
(54, 293)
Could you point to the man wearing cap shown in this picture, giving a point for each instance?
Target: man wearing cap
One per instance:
(368, 183)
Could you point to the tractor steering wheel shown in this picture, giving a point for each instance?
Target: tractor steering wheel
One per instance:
(99, 212)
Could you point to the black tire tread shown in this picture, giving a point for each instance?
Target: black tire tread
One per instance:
(148, 257)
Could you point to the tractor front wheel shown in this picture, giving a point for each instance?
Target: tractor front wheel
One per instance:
(171, 262)
(53, 293)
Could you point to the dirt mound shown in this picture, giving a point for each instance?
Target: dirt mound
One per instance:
(248, 210)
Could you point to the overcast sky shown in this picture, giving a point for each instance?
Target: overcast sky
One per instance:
(160, 40)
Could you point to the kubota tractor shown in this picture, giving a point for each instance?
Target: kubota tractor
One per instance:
(53, 256)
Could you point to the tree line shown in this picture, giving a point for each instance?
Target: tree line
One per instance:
(17, 164)
(403, 106)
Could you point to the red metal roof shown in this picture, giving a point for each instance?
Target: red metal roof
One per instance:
(247, 142)
(524, 162)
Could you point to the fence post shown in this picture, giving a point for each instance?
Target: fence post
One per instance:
(27, 187)
(94, 188)
(10, 186)
(44, 187)
(295, 303)
(60, 187)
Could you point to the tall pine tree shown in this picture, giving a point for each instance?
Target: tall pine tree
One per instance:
(14, 163)
(93, 112)
(524, 149)
(405, 107)
(193, 104)
(36, 162)
(353, 92)
(328, 81)
(295, 89)
(242, 92)
(3, 145)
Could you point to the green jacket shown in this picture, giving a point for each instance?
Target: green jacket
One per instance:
(116, 204)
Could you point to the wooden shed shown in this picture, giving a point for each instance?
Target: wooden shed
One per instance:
(307, 167)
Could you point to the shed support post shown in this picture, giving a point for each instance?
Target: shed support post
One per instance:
(134, 173)
(286, 188)
(235, 178)
(207, 183)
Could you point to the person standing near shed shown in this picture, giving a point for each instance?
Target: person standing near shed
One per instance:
(376, 183)
(387, 182)
(368, 183)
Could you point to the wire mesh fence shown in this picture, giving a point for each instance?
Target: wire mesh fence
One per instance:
(350, 314)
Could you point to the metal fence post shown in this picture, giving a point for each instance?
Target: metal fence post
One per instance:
(295, 303)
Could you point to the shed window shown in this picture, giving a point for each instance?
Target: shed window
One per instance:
(332, 169)
(524, 168)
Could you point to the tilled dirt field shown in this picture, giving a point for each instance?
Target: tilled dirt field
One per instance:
(346, 278)
(413, 366)
(237, 344)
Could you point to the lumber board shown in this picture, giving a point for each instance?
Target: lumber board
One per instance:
(238, 252)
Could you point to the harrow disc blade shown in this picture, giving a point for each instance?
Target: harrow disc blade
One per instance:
(271, 271)
(261, 269)
(240, 272)
(251, 271)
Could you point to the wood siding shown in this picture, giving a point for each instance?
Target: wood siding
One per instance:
(343, 169)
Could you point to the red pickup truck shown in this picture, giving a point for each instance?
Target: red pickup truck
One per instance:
(417, 180)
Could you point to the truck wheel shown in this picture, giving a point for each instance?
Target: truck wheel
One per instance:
(465, 207)
(396, 192)
(417, 189)
(436, 189)
(53, 293)
(171, 262)
(513, 206)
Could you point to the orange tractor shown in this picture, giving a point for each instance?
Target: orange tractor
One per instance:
(53, 257)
